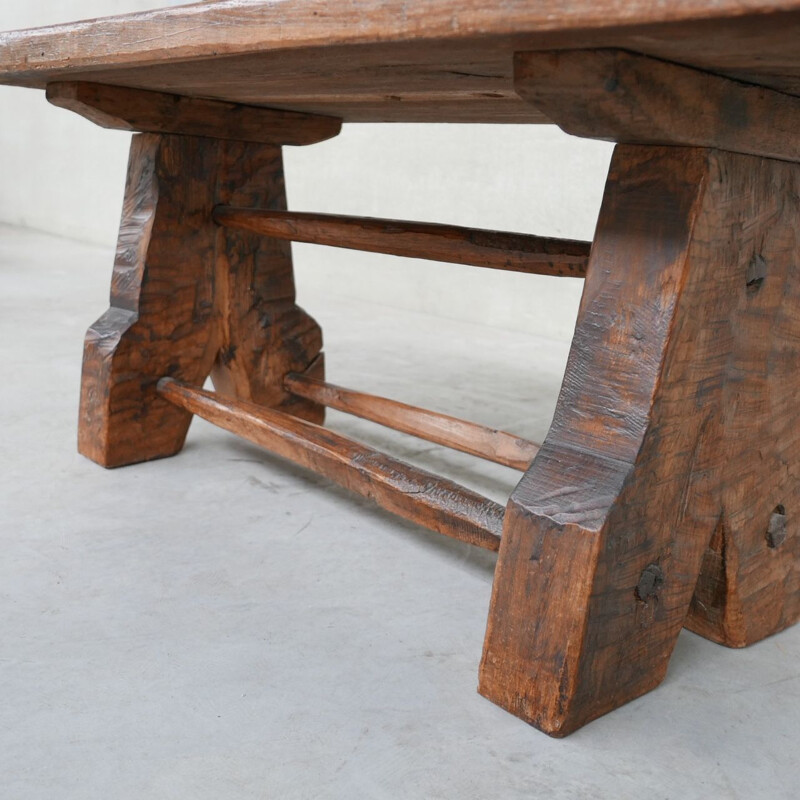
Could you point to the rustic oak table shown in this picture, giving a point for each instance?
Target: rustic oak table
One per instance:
(666, 492)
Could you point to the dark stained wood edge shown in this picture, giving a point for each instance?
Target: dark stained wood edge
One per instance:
(121, 108)
(574, 628)
(623, 97)
(233, 27)
(513, 252)
(421, 497)
(468, 437)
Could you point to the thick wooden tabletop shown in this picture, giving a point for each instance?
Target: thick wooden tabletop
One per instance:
(397, 60)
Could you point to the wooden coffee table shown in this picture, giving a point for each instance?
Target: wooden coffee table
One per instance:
(666, 493)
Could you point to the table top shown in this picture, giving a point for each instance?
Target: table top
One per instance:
(397, 60)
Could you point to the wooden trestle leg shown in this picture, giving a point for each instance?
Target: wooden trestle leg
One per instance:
(667, 492)
(189, 298)
(675, 448)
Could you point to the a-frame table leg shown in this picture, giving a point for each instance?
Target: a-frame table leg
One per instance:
(189, 297)
(677, 422)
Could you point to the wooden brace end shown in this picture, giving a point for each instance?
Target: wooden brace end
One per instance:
(126, 109)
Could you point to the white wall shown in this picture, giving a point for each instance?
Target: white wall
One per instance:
(62, 174)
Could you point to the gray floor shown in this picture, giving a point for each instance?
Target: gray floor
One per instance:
(222, 625)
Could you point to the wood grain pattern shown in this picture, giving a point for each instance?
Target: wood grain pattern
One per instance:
(233, 27)
(458, 434)
(188, 297)
(749, 587)
(162, 305)
(157, 112)
(415, 495)
(264, 334)
(394, 60)
(622, 97)
(605, 535)
(513, 252)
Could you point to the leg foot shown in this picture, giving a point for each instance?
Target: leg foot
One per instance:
(606, 534)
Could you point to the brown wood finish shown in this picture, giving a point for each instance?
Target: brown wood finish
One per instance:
(161, 319)
(622, 97)
(514, 252)
(393, 60)
(415, 495)
(666, 491)
(156, 112)
(746, 590)
(468, 437)
(264, 334)
(186, 295)
(749, 586)
(596, 574)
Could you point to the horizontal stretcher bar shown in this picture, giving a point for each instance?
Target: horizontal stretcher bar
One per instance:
(414, 494)
(468, 437)
(514, 252)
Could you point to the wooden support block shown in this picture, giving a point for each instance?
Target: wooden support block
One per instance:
(623, 97)
(187, 296)
(264, 335)
(677, 422)
(515, 252)
(409, 492)
(126, 109)
(458, 434)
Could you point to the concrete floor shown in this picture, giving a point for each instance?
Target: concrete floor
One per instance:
(223, 625)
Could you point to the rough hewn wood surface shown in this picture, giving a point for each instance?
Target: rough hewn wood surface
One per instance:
(162, 305)
(264, 334)
(622, 97)
(605, 535)
(750, 582)
(409, 492)
(458, 434)
(395, 60)
(185, 295)
(514, 252)
(125, 109)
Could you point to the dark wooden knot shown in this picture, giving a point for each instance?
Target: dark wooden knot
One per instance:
(756, 273)
(776, 530)
(650, 582)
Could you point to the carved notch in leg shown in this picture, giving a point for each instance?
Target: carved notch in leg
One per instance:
(605, 535)
(186, 294)
(749, 585)
(162, 317)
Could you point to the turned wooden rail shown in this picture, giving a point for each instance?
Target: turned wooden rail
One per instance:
(514, 252)
(409, 492)
(458, 434)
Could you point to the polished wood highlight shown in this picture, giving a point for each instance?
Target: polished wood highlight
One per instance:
(514, 252)
(156, 112)
(409, 492)
(667, 446)
(623, 97)
(458, 434)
